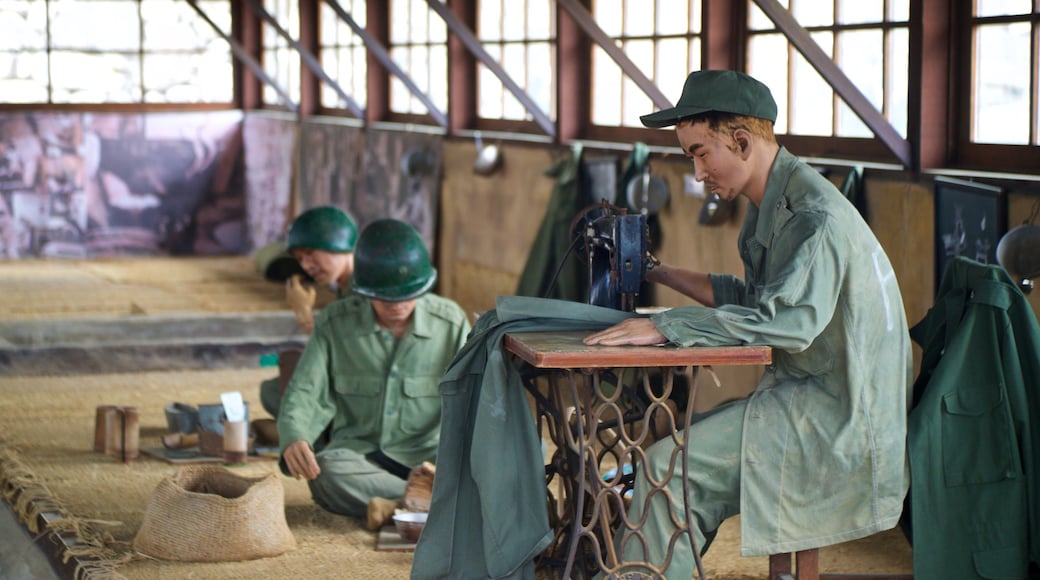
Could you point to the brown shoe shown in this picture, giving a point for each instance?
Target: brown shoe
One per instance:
(381, 512)
(419, 489)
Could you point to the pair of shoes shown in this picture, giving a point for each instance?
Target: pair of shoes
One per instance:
(381, 512)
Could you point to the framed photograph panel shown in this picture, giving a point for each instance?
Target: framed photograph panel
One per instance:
(970, 218)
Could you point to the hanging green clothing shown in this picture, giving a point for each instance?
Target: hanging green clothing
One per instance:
(974, 432)
(553, 244)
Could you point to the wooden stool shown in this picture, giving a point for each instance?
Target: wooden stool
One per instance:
(807, 567)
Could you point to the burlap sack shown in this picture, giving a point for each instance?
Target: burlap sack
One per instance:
(209, 514)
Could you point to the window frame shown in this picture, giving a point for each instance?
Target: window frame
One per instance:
(139, 104)
(968, 154)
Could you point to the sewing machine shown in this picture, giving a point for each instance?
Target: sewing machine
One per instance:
(616, 251)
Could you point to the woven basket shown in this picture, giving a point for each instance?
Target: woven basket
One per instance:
(209, 514)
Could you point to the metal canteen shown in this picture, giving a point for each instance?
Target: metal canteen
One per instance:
(647, 193)
(488, 158)
(1019, 251)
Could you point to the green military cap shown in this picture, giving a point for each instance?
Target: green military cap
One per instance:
(725, 91)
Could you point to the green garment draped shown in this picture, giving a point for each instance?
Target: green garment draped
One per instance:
(488, 512)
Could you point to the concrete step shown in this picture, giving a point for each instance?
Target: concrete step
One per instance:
(147, 342)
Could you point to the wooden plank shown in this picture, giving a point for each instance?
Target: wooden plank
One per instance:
(565, 350)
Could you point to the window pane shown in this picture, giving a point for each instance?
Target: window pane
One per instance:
(26, 79)
(606, 78)
(1002, 7)
(639, 18)
(187, 78)
(899, 10)
(861, 59)
(174, 25)
(540, 76)
(673, 66)
(860, 11)
(812, 97)
(489, 20)
(95, 78)
(767, 62)
(24, 23)
(539, 20)
(810, 13)
(1001, 98)
(607, 14)
(897, 92)
(74, 24)
(757, 20)
(670, 17)
(513, 21)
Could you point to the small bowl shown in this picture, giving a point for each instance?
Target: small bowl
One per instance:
(410, 524)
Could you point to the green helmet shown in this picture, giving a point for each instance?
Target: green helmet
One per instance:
(391, 262)
(323, 228)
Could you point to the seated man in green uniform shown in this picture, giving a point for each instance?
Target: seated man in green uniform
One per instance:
(816, 455)
(322, 241)
(369, 377)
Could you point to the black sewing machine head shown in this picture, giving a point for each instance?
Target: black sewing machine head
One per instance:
(616, 253)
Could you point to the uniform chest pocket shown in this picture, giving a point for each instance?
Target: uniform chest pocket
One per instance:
(976, 437)
(359, 401)
(421, 405)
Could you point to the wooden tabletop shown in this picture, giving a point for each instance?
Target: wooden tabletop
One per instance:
(565, 350)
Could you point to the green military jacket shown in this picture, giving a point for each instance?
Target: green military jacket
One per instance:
(376, 392)
(974, 432)
(824, 438)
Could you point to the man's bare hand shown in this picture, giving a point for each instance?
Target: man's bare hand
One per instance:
(301, 299)
(300, 460)
(634, 331)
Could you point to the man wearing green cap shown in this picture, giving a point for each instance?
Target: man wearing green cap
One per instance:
(369, 377)
(816, 454)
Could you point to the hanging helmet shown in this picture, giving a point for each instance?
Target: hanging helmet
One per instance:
(323, 228)
(391, 262)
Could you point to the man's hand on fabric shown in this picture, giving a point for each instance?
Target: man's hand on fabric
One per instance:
(634, 331)
(299, 458)
(301, 299)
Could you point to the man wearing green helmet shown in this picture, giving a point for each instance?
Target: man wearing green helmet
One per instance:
(369, 377)
(321, 240)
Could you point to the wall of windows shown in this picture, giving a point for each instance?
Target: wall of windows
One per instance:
(868, 39)
(343, 54)
(519, 35)
(115, 51)
(661, 37)
(178, 53)
(281, 62)
(419, 45)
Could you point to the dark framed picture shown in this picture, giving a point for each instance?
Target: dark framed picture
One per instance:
(970, 217)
